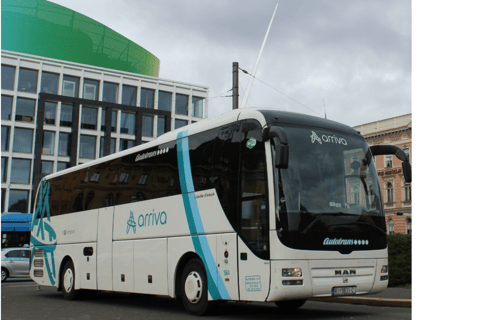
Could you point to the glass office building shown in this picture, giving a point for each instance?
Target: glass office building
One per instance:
(74, 90)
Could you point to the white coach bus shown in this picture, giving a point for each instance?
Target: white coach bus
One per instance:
(253, 205)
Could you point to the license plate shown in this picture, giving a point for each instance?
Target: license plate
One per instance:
(344, 291)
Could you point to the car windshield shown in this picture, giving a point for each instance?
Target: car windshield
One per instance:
(329, 192)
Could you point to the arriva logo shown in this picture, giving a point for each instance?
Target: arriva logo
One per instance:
(146, 220)
(328, 139)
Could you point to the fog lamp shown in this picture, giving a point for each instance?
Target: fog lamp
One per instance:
(384, 269)
(383, 278)
(292, 272)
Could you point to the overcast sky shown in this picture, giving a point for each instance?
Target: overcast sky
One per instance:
(355, 54)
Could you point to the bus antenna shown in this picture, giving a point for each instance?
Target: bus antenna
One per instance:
(324, 108)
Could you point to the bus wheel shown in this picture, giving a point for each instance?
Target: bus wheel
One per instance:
(290, 304)
(68, 282)
(4, 274)
(194, 288)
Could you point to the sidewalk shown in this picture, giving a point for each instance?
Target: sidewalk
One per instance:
(392, 297)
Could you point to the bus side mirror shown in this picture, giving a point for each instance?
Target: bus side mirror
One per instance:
(399, 153)
(282, 150)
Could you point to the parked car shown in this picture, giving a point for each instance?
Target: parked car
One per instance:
(15, 263)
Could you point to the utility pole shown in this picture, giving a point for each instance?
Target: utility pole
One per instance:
(235, 86)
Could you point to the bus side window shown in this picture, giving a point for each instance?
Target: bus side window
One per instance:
(201, 148)
(167, 181)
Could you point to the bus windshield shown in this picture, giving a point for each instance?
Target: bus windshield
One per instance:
(329, 197)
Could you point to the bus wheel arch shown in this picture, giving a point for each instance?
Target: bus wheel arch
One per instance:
(179, 271)
(65, 260)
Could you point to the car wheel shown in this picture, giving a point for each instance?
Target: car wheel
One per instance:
(194, 288)
(5, 274)
(290, 304)
(68, 282)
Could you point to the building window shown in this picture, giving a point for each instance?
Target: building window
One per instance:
(49, 83)
(160, 126)
(147, 130)
(391, 227)
(407, 152)
(87, 146)
(409, 226)
(110, 92)
(356, 195)
(7, 107)
(89, 118)
(127, 123)
(20, 171)
(62, 166)
(90, 89)
(5, 138)
(129, 95)
(4, 169)
(25, 110)
(126, 144)
(180, 123)
(146, 98)
(66, 115)
(198, 106)
(50, 112)
(64, 140)
(27, 80)
(113, 144)
(114, 120)
(408, 192)
(23, 140)
(18, 201)
(47, 167)
(388, 161)
(181, 104)
(8, 77)
(164, 101)
(389, 192)
(70, 86)
(48, 142)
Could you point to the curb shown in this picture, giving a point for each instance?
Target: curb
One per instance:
(369, 301)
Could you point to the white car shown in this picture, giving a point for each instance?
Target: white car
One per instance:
(15, 263)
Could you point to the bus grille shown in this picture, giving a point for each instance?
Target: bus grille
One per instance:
(38, 253)
(38, 263)
(38, 273)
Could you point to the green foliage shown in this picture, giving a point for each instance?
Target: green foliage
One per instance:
(399, 259)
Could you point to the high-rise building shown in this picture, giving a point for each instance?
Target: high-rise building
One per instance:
(74, 90)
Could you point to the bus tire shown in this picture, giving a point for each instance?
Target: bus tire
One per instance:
(5, 274)
(68, 282)
(290, 304)
(194, 288)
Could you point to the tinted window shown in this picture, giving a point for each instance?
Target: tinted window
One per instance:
(90, 89)
(226, 167)
(147, 130)
(4, 169)
(167, 169)
(146, 98)
(110, 92)
(126, 144)
(127, 123)
(129, 95)
(5, 138)
(27, 80)
(18, 201)
(66, 115)
(48, 142)
(70, 86)
(23, 140)
(50, 112)
(20, 171)
(201, 156)
(113, 142)
(89, 118)
(180, 123)
(87, 146)
(64, 144)
(47, 167)
(7, 107)
(198, 106)
(8, 77)
(49, 83)
(181, 104)
(164, 100)
(25, 110)
(160, 126)
(114, 120)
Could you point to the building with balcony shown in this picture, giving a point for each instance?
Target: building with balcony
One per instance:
(74, 90)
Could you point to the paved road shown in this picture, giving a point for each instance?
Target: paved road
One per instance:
(21, 300)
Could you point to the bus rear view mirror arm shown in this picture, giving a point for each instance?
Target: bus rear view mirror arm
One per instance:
(282, 150)
(399, 153)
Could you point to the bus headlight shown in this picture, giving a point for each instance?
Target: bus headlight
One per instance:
(292, 272)
(384, 269)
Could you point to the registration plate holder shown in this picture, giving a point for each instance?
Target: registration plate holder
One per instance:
(344, 291)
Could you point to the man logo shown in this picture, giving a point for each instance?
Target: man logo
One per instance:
(345, 272)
